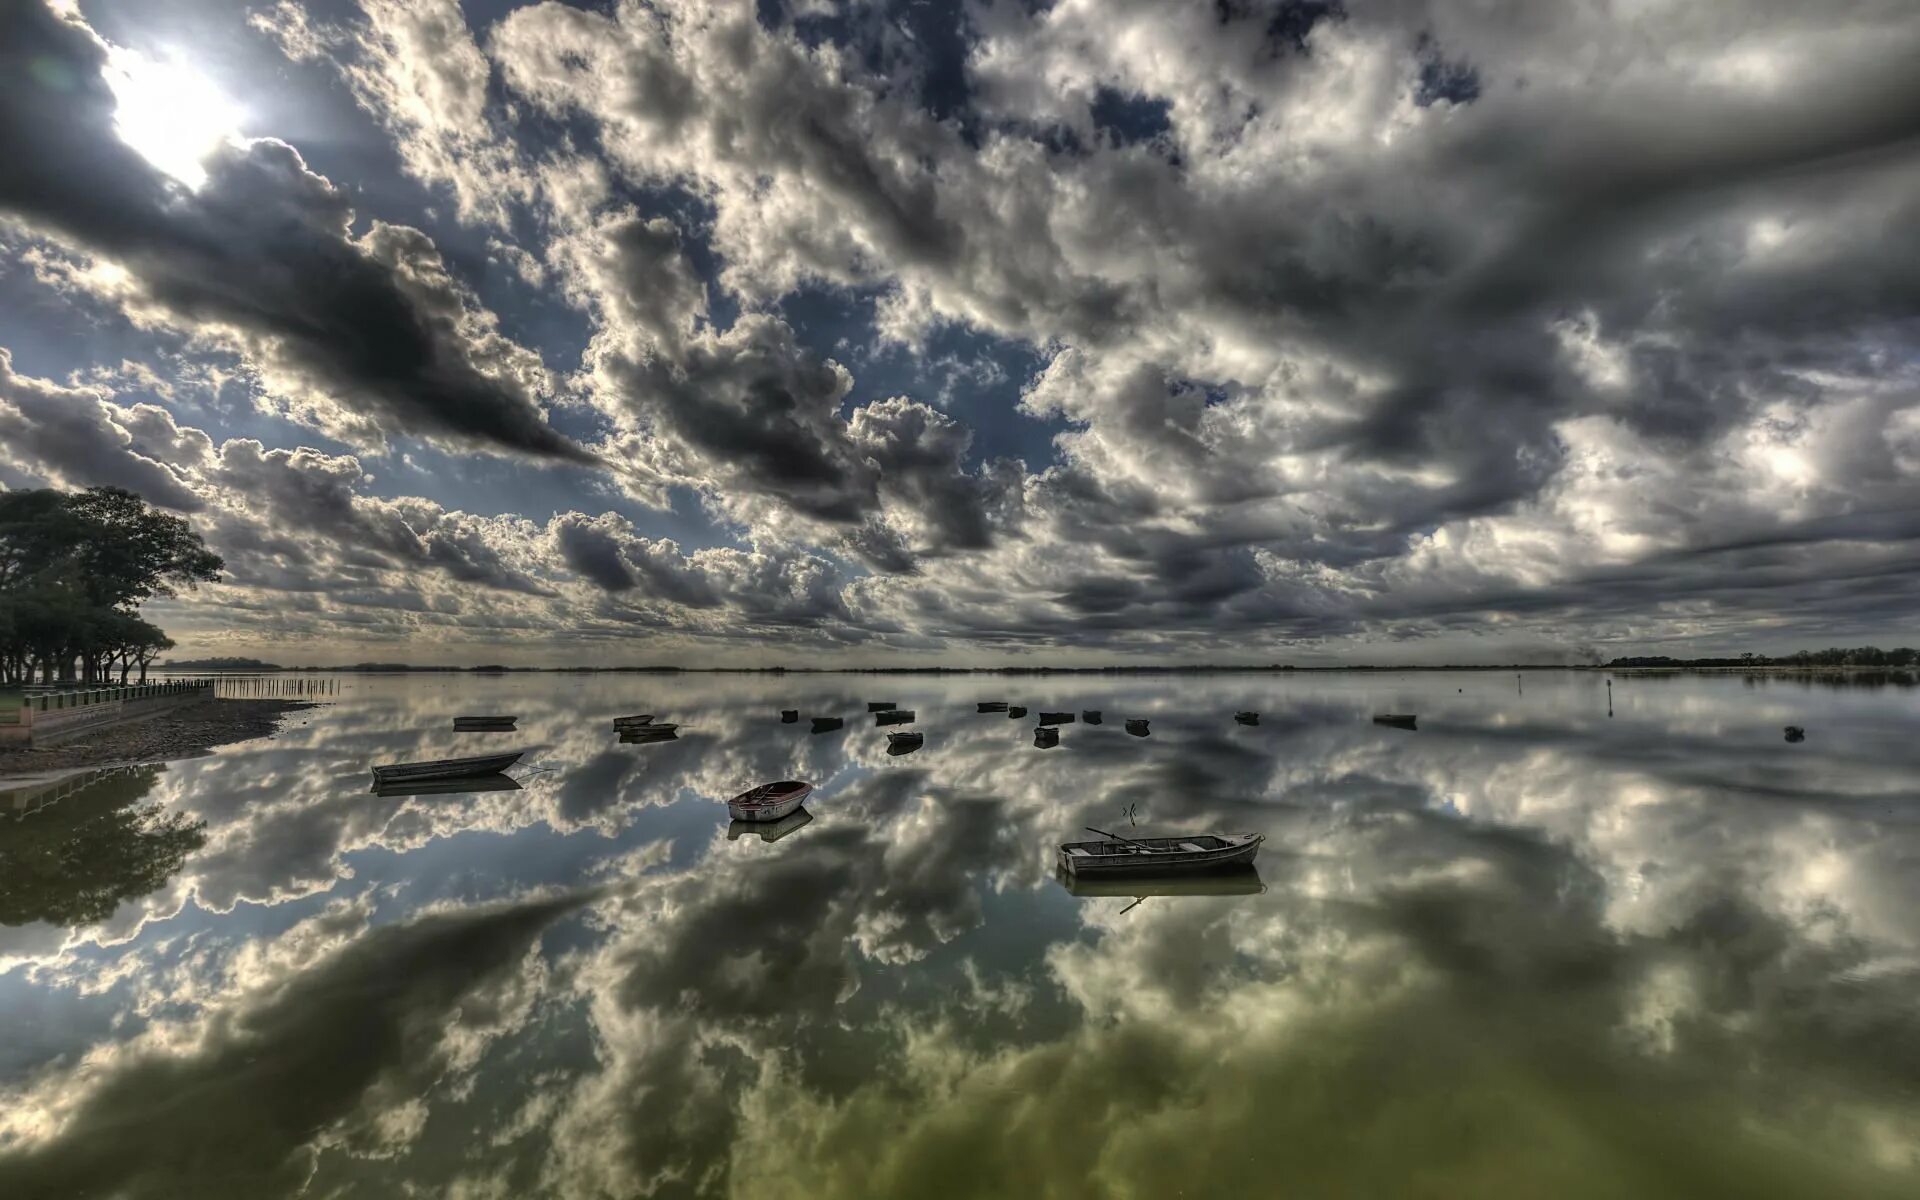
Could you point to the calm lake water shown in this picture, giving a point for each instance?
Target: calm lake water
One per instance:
(1529, 950)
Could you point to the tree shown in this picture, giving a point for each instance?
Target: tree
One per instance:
(74, 568)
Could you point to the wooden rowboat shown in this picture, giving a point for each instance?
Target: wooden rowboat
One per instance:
(1091, 716)
(894, 716)
(1053, 718)
(1015, 711)
(1046, 737)
(445, 768)
(904, 743)
(1247, 718)
(1153, 856)
(993, 706)
(449, 787)
(769, 801)
(1397, 720)
(1137, 726)
(874, 706)
(827, 724)
(483, 723)
(637, 719)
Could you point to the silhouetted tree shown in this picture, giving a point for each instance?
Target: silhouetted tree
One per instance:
(74, 568)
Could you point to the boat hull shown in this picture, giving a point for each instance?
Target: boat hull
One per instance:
(1103, 860)
(1397, 720)
(446, 768)
(766, 804)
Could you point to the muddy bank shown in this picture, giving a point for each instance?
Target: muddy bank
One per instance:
(181, 733)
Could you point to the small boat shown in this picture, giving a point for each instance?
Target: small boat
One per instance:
(789, 715)
(1397, 720)
(449, 787)
(1247, 718)
(1152, 856)
(1047, 718)
(1796, 734)
(637, 719)
(769, 831)
(646, 735)
(827, 724)
(769, 801)
(993, 706)
(1224, 881)
(1046, 737)
(446, 768)
(897, 716)
(1091, 716)
(904, 743)
(881, 706)
(483, 723)
(1016, 712)
(1137, 726)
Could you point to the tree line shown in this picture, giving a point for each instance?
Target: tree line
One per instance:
(74, 569)
(1834, 656)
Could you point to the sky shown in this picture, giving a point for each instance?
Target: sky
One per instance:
(1127, 331)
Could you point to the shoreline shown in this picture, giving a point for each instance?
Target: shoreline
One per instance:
(189, 732)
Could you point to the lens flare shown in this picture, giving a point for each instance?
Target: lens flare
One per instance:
(169, 112)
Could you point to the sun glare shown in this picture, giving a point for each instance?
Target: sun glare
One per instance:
(170, 113)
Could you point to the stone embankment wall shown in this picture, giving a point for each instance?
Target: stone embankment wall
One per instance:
(48, 718)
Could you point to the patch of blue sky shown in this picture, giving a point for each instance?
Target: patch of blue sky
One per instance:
(976, 377)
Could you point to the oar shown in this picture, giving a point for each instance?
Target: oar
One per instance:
(1142, 846)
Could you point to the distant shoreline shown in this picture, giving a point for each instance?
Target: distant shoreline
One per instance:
(1676, 669)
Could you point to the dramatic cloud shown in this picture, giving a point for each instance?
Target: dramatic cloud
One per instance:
(1301, 326)
(262, 253)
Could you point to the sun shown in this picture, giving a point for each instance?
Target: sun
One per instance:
(169, 112)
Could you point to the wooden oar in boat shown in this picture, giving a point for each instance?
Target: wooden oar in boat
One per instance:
(1140, 846)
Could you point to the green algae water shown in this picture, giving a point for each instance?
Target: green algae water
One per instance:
(1527, 949)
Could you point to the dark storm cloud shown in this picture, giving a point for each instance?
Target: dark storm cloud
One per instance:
(67, 435)
(263, 247)
(305, 491)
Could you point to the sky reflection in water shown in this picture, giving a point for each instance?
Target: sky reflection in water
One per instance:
(1527, 950)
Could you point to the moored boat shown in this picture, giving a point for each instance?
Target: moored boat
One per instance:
(1091, 716)
(769, 801)
(1158, 855)
(988, 706)
(1796, 734)
(825, 724)
(646, 735)
(473, 724)
(881, 706)
(1137, 726)
(1015, 712)
(1056, 718)
(894, 716)
(446, 768)
(904, 743)
(1247, 718)
(1046, 737)
(449, 787)
(789, 715)
(636, 719)
(1397, 720)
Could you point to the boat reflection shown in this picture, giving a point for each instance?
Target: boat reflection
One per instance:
(1236, 881)
(769, 831)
